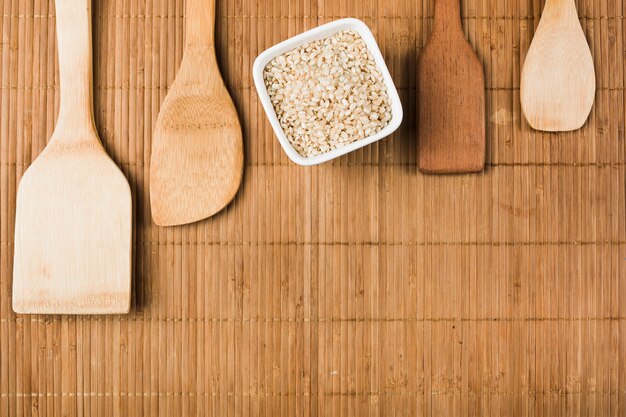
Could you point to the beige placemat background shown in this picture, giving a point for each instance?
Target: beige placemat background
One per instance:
(357, 288)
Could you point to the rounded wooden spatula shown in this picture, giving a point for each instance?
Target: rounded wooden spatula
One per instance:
(197, 152)
(558, 79)
(451, 98)
(73, 226)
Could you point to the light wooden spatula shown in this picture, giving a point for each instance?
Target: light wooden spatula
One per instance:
(451, 98)
(197, 152)
(558, 79)
(73, 227)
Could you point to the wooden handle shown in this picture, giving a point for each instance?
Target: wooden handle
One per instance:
(560, 10)
(447, 16)
(75, 69)
(561, 3)
(200, 26)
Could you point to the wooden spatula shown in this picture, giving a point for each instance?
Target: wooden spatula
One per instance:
(73, 227)
(558, 79)
(451, 98)
(197, 152)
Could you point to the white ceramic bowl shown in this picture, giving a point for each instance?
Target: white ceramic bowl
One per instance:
(322, 32)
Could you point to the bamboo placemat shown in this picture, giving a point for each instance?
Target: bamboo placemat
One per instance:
(356, 288)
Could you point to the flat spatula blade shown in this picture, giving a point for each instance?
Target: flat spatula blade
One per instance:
(73, 236)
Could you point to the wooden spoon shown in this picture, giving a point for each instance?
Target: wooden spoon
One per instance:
(73, 226)
(451, 98)
(197, 153)
(558, 80)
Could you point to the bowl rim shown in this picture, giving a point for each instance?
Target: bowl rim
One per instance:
(321, 32)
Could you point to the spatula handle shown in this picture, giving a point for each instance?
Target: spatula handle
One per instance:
(73, 23)
(447, 17)
(560, 10)
(200, 26)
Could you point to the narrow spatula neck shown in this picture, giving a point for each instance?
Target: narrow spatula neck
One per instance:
(200, 23)
(73, 25)
(560, 10)
(447, 16)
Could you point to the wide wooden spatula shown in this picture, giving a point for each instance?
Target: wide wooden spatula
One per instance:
(197, 152)
(451, 98)
(558, 79)
(73, 226)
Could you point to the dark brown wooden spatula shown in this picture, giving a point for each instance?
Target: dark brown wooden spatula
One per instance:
(451, 99)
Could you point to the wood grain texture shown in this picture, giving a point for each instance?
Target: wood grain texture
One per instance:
(451, 98)
(73, 225)
(558, 80)
(358, 288)
(197, 153)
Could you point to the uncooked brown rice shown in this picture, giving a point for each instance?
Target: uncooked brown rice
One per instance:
(328, 93)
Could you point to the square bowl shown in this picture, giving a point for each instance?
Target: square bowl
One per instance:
(321, 32)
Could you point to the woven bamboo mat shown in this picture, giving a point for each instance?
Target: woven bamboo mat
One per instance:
(357, 288)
